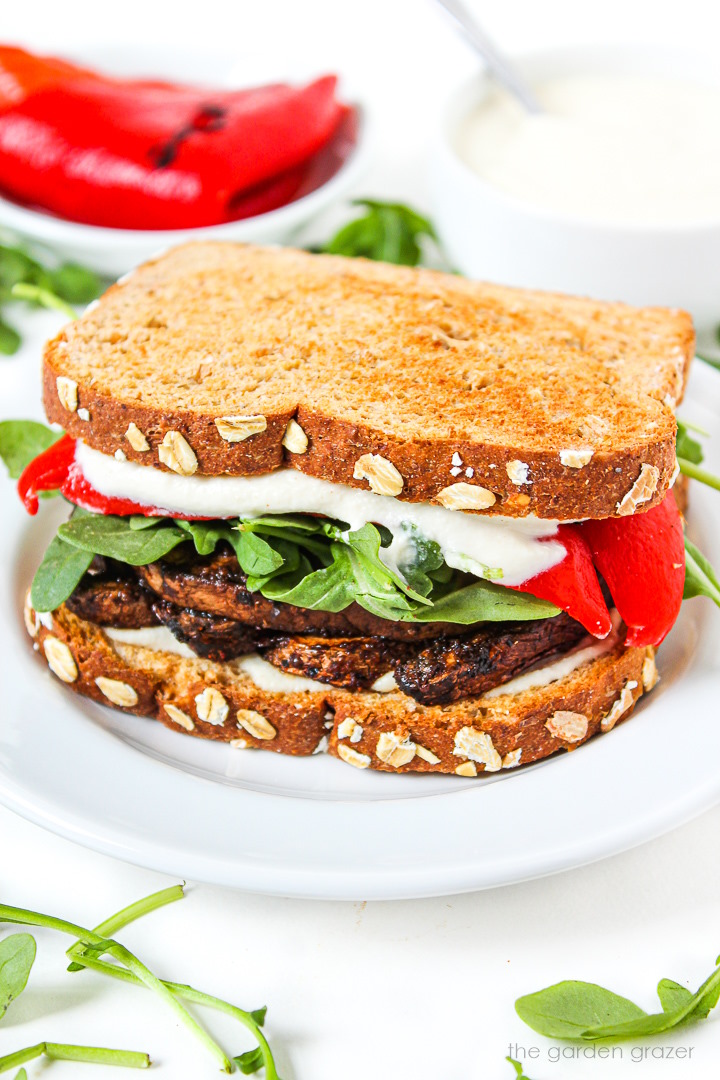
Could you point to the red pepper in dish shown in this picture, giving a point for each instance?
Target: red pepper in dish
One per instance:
(572, 584)
(144, 155)
(642, 559)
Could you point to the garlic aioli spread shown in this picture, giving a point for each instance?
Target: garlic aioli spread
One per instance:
(468, 541)
(637, 149)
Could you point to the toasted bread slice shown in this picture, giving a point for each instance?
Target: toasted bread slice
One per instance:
(556, 405)
(368, 730)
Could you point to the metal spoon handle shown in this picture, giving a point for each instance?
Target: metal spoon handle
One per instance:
(501, 68)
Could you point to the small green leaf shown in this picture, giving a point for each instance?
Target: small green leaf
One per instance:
(250, 1061)
(22, 1075)
(687, 447)
(484, 601)
(206, 535)
(255, 555)
(17, 956)
(700, 578)
(112, 536)
(388, 232)
(519, 1071)
(75, 284)
(21, 441)
(58, 575)
(672, 995)
(568, 1009)
(259, 1015)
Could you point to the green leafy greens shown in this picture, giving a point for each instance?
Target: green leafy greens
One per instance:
(387, 232)
(585, 1011)
(88, 951)
(296, 559)
(24, 277)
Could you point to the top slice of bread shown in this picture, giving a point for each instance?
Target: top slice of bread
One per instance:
(450, 380)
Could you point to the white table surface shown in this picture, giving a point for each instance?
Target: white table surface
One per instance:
(420, 989)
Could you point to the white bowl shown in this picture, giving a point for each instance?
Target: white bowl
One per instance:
(114, 251)
(497, 237)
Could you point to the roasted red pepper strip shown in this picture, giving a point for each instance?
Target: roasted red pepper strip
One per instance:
(152, 156)
(642, 559)
(55, 470)
(22, 73)
(47, 472)
(572, 585)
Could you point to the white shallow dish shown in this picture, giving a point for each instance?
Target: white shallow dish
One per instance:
(112, 252)
(493, 236)
(314, 827)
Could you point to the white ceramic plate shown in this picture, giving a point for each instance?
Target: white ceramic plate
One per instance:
(313, 827)
(114, 251)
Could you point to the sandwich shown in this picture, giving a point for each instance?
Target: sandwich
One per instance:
(325, 504)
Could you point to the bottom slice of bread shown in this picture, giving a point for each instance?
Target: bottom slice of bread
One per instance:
(368, 730)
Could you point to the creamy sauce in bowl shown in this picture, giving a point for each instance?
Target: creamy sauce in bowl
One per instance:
(632, 149)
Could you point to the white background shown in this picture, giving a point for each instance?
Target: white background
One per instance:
(421, 989)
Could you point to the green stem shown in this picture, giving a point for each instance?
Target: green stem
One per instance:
(694, 471)
(23, 290)
(129, 914)
(98, 1055)
(132, 963)
(189, 993)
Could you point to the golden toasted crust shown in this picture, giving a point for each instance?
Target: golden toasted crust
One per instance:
(369, 730)
(449, 380)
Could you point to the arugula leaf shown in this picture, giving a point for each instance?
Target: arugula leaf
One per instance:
(17, 956)
(423, 559)
(519, 1070)
(328, 589)
(206, 535)
(687, 447)
(256, 557)
(58, 575)
(21, 441)
(75, 283)
(109, 535)
(672, 995)
(579, 1010)
(387, 232)
(700, 578)
(484, 601)
(250, 1061)
(568, 1009)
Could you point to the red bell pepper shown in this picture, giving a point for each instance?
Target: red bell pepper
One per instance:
(55, 470)
(642, 559)
(47, 472)
(572, 584)
(22, 73)
(153, 156)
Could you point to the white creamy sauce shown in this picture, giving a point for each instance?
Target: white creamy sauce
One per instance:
(543, 676)
(150, 637)
(267, 677)
(611, 147)
(468, 541)
(262, 674)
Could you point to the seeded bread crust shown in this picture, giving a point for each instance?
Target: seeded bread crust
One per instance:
(450, 381)
(389, 732)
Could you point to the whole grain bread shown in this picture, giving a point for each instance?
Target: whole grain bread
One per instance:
(409, 381)
(368, 730)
